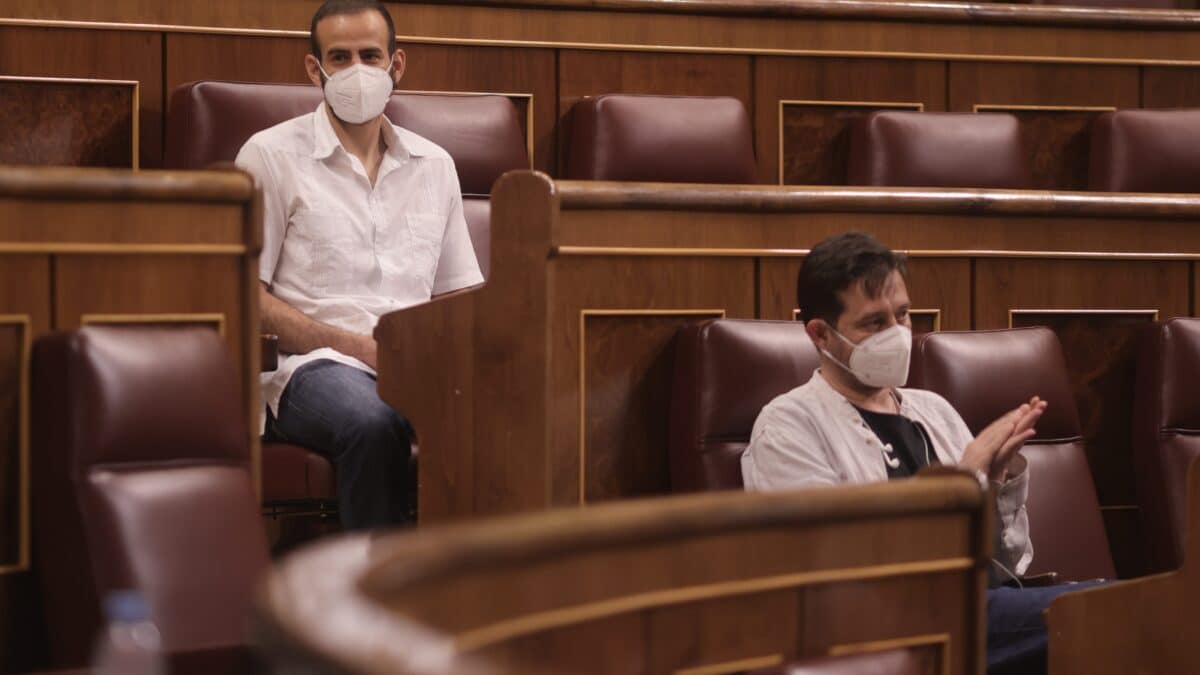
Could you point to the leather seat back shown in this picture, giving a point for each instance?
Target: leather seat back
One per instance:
(726, 370)
(671, 139)
(1145, 151)
(1166, 435)
(142, 480)
(979, 150)
(984, 374)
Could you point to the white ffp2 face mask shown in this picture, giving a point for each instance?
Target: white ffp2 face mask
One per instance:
(880, 360)
(359, 93)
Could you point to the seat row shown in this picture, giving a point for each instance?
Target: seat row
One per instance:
(708, 140)
(686, 139)
(144, 483)
(727, 370)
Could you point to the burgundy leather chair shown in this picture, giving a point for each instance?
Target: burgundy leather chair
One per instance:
(670, 139)
(918, 149)
(983, 374)
(1145, 151)
(210, 121)
(726, 370)
(141, 480)
(1166, 435)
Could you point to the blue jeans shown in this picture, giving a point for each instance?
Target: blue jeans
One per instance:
(1016, 628)
(335, 410)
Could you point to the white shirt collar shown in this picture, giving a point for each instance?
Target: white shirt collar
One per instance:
(326, 141)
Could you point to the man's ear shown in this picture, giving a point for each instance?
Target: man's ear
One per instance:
(818, 332)
(398, 63)
(313, 68)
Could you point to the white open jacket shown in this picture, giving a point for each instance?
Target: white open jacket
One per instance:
(813, 436)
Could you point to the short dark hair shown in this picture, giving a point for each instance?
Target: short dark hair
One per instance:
(337, 7)
(838, 263)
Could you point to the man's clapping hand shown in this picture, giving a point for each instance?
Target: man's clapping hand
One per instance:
(994, 448)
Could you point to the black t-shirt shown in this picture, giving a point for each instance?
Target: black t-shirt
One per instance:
(911, 448)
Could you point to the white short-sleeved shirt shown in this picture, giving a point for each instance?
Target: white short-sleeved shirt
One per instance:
(345, 252)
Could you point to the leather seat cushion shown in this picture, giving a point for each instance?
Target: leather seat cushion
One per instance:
(292, 473)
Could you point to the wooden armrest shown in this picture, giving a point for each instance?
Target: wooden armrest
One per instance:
(269, 344)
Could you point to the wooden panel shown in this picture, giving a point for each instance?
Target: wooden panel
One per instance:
(196, 56)
(1056, 142)
(1170, 87)
(612, 645)
(933, 620)
(695, 635)
(626, 368)
(632, 362)
(1101, 352)
(115, 55)
(933, 284)
(154, 285)
(591, 73)
(67, 123)
(815, 136)
(981, 83)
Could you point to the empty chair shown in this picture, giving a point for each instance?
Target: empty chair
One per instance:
(983, 374)
(673, 139)
(726, 370)
(938, 150)
(1166, 435)
(1146, 151)
(142, 480)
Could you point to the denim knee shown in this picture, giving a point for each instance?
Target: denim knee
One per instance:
(375, 426)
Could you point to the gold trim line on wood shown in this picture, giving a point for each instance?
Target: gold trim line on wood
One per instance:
(1083, 311)
(730, 667)
(23, 489)
(217, 318)
(478, 638)
(583, 315)
(126, 249)
(912, 253)
(1001, 107)
(491, 42)
(937, 316)
(134, 116)
(889, 105)
(933, 639)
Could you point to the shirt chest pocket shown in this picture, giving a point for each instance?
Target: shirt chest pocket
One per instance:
(408, 251)
(335, 258)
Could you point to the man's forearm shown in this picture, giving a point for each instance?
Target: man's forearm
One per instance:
(300, 334)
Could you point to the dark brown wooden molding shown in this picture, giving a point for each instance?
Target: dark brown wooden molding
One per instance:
(69, 183)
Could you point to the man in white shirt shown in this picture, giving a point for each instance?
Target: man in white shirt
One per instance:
(853, 423)
(360, 218)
